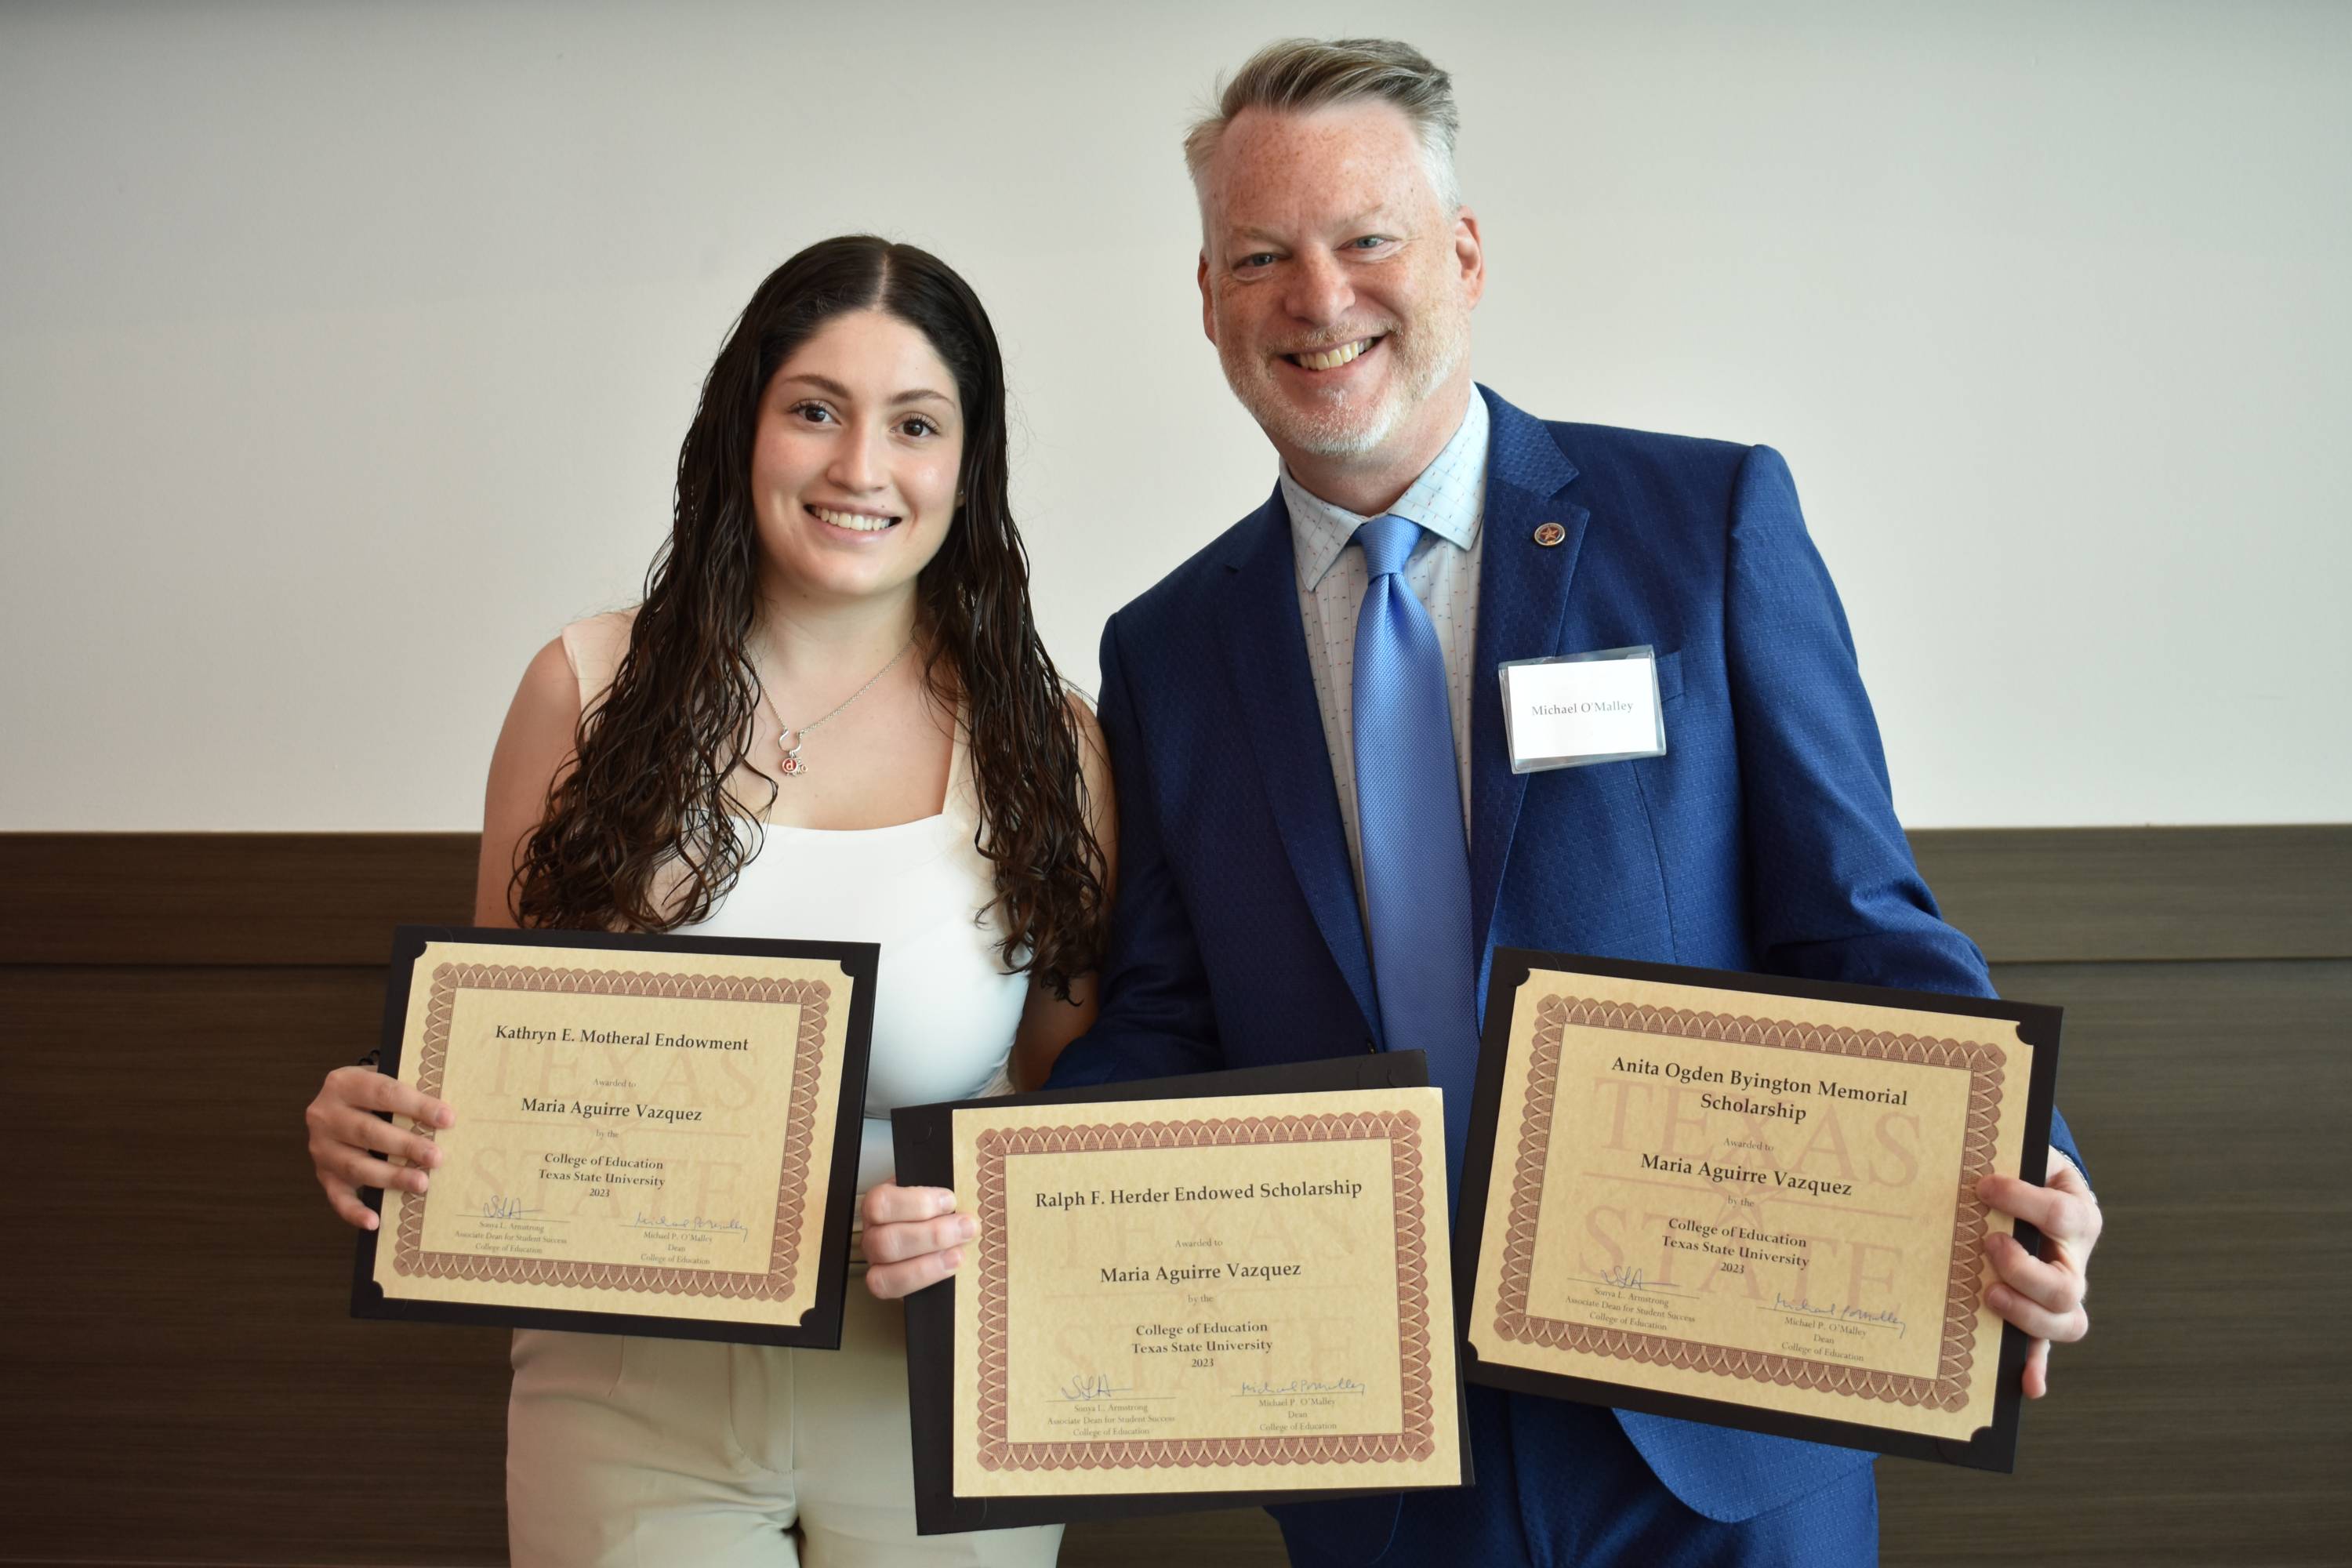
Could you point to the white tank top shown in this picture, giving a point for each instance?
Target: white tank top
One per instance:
(944, 1008)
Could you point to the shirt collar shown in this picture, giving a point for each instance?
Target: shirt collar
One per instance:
(1447, 499)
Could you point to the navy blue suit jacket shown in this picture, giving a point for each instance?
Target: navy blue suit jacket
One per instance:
(1764, 840)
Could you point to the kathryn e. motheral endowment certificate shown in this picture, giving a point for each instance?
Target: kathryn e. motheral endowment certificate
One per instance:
(1752, 1201)
(648, 1135)
(1234, 1294)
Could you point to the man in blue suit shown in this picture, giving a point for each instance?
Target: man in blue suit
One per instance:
(1322, 842)
(1294, 883)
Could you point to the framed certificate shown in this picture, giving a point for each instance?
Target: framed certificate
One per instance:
(1211, 1291)
(652, 1134)
(1750, 1201)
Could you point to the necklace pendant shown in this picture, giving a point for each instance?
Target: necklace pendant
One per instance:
(789, 762)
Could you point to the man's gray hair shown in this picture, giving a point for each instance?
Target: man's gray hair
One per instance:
(1298, 76)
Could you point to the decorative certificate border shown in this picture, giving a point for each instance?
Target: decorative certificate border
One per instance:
(812, 996)
(1946, 1390)
(1416, 1438)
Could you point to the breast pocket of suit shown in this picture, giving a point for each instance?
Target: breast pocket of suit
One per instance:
(1670, 681)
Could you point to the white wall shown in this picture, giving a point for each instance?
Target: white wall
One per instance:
(345, 350)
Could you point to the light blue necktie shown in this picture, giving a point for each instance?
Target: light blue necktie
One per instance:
(1408, 820)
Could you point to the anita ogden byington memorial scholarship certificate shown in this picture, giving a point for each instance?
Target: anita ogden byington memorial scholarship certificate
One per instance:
(1766, 1200)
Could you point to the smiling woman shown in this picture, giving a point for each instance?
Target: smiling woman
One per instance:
(841, 504)
(872, 464)
(843, 490)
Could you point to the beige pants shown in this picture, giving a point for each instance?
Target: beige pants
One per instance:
(635, 1453)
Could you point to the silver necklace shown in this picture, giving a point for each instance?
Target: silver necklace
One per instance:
(788, 760)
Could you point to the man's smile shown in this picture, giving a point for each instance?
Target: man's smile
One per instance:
(1320, 361)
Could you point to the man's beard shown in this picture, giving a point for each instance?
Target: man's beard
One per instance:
(1425, 359)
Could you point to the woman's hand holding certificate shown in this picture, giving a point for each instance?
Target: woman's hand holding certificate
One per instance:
(913, 1238)
(350, 1140)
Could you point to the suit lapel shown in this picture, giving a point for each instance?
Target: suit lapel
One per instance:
(1266, 650)
(1522, 597)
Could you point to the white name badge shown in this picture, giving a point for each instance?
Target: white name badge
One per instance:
(1585, 708)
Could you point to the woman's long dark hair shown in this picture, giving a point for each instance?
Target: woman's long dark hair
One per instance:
(654, 756)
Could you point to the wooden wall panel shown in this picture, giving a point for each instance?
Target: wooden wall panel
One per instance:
(2202, 1421)
(227, 898)
(184, 1385)
(2088, 894)
(2026, 895)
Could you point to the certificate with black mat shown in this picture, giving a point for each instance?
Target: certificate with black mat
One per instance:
(1751, 1201)
(652, 1135)
(1211, 1291)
